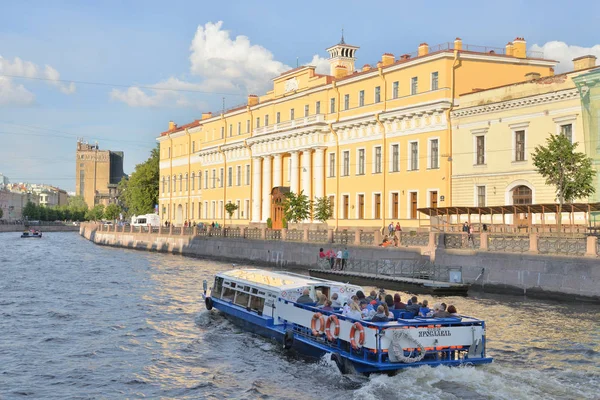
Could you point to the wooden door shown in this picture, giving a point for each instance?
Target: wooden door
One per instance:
(277, 198)
(377, 206)
(361, 206)
(433, 199)
(522, 195)
(413, 205)
(346, 204)
(395, 205)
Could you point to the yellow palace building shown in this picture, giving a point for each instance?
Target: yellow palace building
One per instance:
(375, 140)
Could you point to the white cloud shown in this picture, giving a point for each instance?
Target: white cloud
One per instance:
(18, 93)
(14, 95)
(221, 64)
(564, 53)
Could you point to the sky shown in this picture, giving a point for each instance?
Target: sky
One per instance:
(96, 70)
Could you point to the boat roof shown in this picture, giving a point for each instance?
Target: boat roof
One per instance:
(275, 279)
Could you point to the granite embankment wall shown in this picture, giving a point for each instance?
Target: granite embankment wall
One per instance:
(43, 228)
(531, 274)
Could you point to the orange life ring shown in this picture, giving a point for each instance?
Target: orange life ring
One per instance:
(331, 337)
(313, 324)
(357, 326)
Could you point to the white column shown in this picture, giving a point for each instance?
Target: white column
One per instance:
(266, 192)
(306, 172)
(319, 172)
(277, 171)
(294, 178)
(256, 177)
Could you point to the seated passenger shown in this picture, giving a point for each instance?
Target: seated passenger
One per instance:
(353, 312)
(439, 312)
(327, 306)
(322, 300)
(424, 310)
(305, 298)
(387, 311)
(380, 316)
(389, 300)
(335, 303)
(372, 296)
(414, 306)
(365, 311)
(398, 304)
(360, 295)
(452, 311)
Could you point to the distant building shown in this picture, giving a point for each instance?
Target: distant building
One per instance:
(98, 173)
(50, 196)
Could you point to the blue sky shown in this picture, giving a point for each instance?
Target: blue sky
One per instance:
(180, 44)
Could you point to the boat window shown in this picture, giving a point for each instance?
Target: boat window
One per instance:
(218, 286)
(255, 290)
(323, 289)
(257, 303)
(263, 293)
(232, 284)
(241, 299)
(228, 294)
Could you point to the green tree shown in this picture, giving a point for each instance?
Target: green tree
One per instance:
(296, 207)
(139, 194)
(77, 203)
(230, 208)
(112, 211)
(31, 211)
(95, 213)
(323, 209)
(569, 171)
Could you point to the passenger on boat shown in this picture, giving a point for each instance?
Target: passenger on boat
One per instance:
(360, 295)
(381, 316)
(386, 308)
(452, 310)
(439, 312)
(424, 309)
(334, 301)
(372, 296)
(322, 300)
(327, 306)
(389, 300)
(305, 298)
(366, 310)
(398, 304)
(414, 306)
(353, 312)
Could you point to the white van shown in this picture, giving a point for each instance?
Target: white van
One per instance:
(145, 220)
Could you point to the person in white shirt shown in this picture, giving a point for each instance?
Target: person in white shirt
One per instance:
(338, 260)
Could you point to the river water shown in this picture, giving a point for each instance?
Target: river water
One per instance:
(84, 321)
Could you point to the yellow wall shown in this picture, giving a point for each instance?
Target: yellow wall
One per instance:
(407, 118)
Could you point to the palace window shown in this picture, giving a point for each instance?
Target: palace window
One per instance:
(206, 179)
(346, 101)
(567, 130)
(434, 162)
(164, 184)
(238, 178)
(230, 176)
(239, 129)
(519, 145)
(222, 132)
(377, 166)
(395, 158)
(332, 105)
(221, 177)
(278, 117)
(395, 88)
(247, 126)
(258, 122)
(377, 94)
(193, 181)
(306, 110)
(180, 183)
(346, 170)
(361, 162)
(480, 196)
(480, 143)
(361, 98)
(414, 85)
(292, 114)
(247, 174)
(318, 107)
(214, 178)
(193, 146)
(331, 165)
(414, 156)
(434, 81)
(266, 120)
(230, 130)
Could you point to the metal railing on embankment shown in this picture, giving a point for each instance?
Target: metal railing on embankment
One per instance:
(573, 244)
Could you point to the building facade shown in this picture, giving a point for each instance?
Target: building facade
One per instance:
(98, 173)
(496, 130)
(375, 141)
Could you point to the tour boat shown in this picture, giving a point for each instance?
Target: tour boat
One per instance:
(28, 234)
(264, 302)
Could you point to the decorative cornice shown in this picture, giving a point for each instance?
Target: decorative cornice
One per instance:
(535, 100)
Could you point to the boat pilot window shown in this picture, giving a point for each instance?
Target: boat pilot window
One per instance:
(254, 290)
(257, 303)
(242, 299)
(228, 294)
(323, 289)
(218, 287)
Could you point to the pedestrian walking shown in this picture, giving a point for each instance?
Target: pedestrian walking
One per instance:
(345, 256)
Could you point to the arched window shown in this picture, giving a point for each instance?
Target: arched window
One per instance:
(186, 182)
(193, 181)
(164, 184)
(522, 195)
(199, 180)
(174, 187)
(180, 183)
